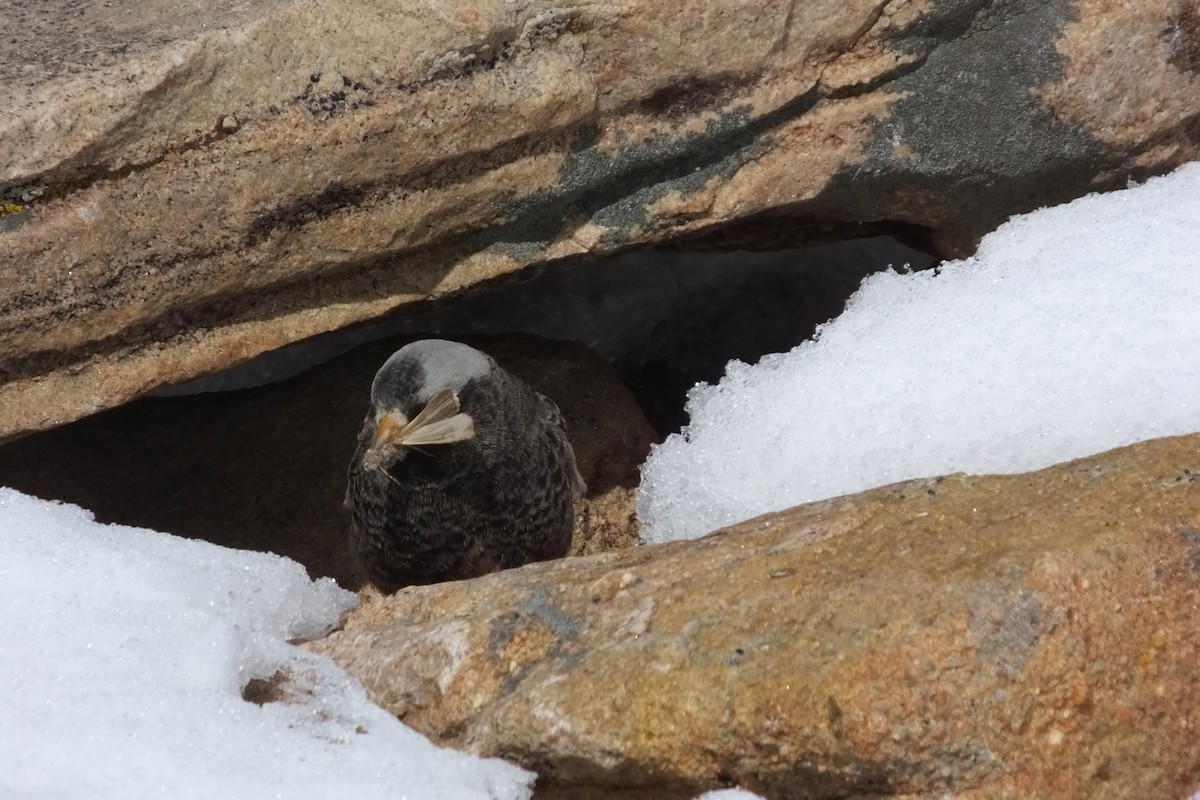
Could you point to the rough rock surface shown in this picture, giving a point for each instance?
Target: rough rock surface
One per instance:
(265, 468)
(1000, 636)
(201, 183)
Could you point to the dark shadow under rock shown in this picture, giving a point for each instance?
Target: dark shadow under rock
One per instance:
(664, 319)
(265, 468)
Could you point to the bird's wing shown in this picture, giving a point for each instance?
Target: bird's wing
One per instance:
(557, 421)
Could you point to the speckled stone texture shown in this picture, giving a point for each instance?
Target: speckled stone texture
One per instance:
(265, 468)
(185, 185)
(1014, 636)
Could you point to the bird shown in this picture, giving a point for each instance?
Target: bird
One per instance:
(460, 469)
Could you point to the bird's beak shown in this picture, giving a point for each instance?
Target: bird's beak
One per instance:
(389, 427)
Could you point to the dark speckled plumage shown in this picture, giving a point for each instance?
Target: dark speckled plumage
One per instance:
(436, 512)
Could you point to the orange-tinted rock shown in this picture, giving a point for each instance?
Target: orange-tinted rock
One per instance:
(1013, 636)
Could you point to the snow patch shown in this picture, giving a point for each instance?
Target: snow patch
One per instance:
(1072, 331)
(128, 651)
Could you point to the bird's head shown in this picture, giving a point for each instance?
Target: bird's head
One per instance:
(415, 399)
(439, 422)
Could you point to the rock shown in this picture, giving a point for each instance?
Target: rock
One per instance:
(996, 636)
(265, 468)
(200, 185)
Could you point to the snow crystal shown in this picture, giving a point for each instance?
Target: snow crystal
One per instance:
(127, 654)
(1073, 330)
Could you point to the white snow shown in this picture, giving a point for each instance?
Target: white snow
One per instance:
(1072, 331)
(122, 670)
